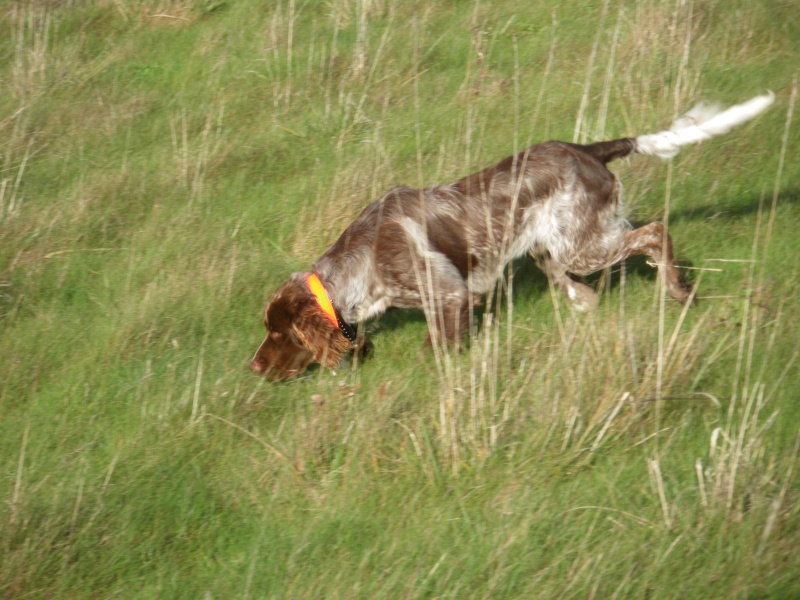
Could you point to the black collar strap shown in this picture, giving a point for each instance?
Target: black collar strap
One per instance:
(348, 330)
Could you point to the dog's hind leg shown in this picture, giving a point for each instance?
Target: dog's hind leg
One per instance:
(653, 240)
(581, 296)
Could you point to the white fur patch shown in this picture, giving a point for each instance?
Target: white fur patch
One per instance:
(436, 261)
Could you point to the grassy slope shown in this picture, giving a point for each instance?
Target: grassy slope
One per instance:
(161, 174)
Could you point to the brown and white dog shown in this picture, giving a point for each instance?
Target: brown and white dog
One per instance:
(438, 248)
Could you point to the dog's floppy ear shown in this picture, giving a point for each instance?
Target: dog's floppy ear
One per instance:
(316, 333)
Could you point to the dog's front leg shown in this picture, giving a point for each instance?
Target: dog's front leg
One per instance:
(448, 319)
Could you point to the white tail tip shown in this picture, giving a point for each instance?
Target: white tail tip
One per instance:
(701, 123)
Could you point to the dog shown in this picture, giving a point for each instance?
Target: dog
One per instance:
(440, 248)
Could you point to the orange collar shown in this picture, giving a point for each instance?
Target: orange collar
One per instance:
(326, 306)
(324, 301)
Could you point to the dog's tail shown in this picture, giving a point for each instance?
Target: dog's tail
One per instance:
(701, 123)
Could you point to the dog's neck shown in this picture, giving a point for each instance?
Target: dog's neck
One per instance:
(349, 281)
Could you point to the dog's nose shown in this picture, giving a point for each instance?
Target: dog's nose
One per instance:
(257, 367)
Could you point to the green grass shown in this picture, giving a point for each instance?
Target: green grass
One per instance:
(165, 165)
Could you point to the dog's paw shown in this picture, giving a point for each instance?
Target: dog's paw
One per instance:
(582, 298)
(682, 292)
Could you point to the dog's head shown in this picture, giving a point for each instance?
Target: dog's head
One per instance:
(298, 333)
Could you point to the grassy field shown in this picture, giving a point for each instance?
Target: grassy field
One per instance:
(164, 165)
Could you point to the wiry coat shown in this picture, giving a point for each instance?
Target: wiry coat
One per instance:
(437, 249)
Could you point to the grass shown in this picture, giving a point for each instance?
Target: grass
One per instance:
(165, 165)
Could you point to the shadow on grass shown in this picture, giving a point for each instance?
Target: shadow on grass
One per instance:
(748, 207)
(530, 283)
